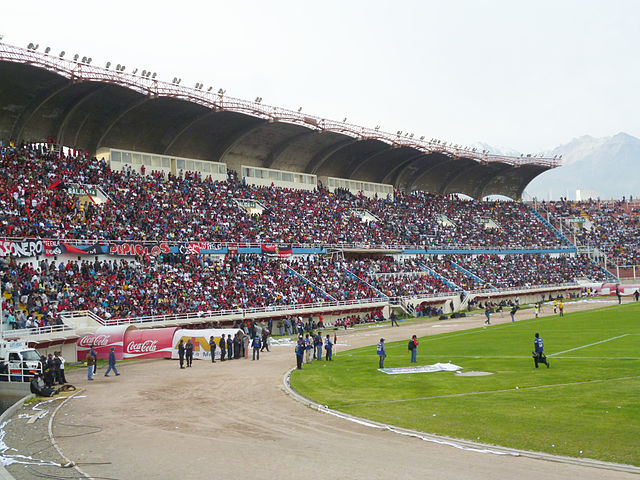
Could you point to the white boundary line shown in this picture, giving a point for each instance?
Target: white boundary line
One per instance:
(502, 390)
(589, 345)
(53, 440)
(456, 443)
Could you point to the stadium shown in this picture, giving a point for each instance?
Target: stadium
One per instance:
(136, 212)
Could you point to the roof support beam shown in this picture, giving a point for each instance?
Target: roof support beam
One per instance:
(187, 126)
(321, 157)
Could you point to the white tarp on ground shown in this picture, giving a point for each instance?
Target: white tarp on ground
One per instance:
(200, 340)
(437, 367)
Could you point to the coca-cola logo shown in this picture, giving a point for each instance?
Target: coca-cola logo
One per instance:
(94, 341)
(142, 347)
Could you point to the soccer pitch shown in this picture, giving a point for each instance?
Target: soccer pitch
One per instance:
(586, 405)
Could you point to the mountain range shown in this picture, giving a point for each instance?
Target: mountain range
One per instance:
(610, 166)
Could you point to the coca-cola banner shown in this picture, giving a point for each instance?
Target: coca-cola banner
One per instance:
(150, 343)
(200, 340)
(102, 340)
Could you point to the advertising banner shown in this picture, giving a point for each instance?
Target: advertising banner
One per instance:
(102, 340)
(149, 343)
(200, 340)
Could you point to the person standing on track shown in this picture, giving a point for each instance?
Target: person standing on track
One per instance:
(382, 352)
(188, 352)
(91, 360)
(229, 347)
(487, 314)
(223, 347)
(413, 348)
(212, 349)
(95, 360)
(256, 347)
(299, 354)
(181, 353)
(561, 308)
(265, 339)
(394, 319)
(513, 311)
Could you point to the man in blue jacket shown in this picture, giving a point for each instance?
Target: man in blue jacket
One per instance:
(256, 347)
(299, 353)
(112, 363)
(538, 354)
(382, 353)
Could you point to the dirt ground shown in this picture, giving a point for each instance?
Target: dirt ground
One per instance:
(235, 419)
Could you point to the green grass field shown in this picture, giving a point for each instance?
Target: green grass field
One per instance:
(586, 405)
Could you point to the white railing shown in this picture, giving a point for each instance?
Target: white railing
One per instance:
(49, 329)
(20, 374)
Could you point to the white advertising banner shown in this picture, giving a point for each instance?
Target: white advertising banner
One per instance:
(200, 340)
(437, 367)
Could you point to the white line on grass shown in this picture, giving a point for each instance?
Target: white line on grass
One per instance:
(535, 387)
(589, 345)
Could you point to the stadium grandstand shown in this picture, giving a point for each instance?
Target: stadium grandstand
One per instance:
(124, 199)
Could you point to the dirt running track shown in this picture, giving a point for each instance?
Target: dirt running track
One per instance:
(234, 420)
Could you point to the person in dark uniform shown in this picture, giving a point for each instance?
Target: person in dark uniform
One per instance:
(236, 346)
(538, 354)
(181, 353)
(394, 319)
(229, 347)
(299, 354)
(49, 378)
(189, 352)
(513, 311)
(382, 352)
(223, 347)
(95, 356)
(212, 349)
(265, 340)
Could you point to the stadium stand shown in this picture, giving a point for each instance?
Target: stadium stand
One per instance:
(611, 226)
(35, 202)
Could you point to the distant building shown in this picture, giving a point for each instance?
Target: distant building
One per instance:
(583, 195)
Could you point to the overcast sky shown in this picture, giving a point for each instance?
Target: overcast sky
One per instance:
(520, 75)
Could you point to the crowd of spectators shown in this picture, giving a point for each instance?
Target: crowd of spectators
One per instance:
(612, 226)
(34, 202)
(189, 207)
(397, 278)
(531, 270)
(174, 284)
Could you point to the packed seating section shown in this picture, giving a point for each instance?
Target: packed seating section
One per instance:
(190, 208)
(614, 226)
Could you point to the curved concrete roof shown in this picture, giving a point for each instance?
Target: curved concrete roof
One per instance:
(89, 108)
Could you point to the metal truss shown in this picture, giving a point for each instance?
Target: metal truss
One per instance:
(78, 71)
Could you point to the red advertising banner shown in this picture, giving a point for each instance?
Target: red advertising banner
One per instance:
(150, 343)
(102, 340)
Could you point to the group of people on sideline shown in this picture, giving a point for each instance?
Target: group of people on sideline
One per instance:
(381, 350)
(310, 346)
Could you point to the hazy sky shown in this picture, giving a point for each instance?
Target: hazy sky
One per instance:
(521, 75)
